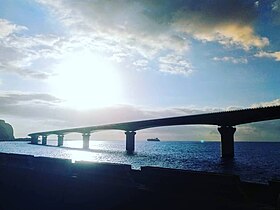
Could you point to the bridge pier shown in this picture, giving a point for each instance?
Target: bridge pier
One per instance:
(86, 137)
(60, 140)
(227, 141)
(34, 139)
(44, 140)
(130, 141)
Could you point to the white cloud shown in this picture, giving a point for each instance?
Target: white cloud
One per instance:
(141, 64)
(19, 52)
(230, 23)
(151, 23)
(7, 28)
(231, 59)
(129, 31)
(274, 55)
(123, 22)
(275, 102)
(257, 3)
(276, 6)
(226, 32)
(124, 30)
(175, 64)
(17, 98)
(127, 28)
(275, 11)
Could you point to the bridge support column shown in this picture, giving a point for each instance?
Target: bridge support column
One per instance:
(86, 137)
(130, 141)
(44, 140)
(227, 141)
(60, 140)
(34, 139)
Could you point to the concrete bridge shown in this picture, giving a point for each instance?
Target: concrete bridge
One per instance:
(226, 122)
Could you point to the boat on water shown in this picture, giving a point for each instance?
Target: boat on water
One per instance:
(155, 139)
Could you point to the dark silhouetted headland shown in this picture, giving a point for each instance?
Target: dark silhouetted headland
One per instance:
(6, 131)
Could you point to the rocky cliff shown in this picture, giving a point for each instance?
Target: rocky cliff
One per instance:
(6, 131)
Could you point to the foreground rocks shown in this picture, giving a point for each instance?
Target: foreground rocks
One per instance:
(28, 182)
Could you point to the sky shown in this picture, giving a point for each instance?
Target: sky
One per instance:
(70, 63)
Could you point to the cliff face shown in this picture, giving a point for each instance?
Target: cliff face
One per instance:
(6, 131)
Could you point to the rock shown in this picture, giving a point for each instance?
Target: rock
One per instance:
(6, 131)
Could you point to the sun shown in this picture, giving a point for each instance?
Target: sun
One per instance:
(85, 80)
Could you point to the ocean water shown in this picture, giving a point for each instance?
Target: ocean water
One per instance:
(253, 161)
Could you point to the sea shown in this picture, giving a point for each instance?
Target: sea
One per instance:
(254, 161)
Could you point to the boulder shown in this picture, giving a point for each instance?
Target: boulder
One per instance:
(6, 131)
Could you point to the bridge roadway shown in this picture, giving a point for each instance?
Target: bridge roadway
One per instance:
(226, 122)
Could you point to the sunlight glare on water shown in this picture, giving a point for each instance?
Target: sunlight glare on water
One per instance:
(258, 165)
(79, 156)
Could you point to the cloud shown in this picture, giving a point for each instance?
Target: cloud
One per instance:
(227, 22)
(19, 53)
(44, 112)
(31, 112)
(175, 64)
(18, 97)
(124, 23)
(131, 31)
(141, 64)
(7, 28)
(274, 55)
(23, 71)
(152, 23)
(126, 31)
(50, 118)
(275, 102)
(48, 107)
(275, 7)
(231, 59)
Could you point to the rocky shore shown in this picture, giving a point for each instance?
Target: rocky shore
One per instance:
(28, 182)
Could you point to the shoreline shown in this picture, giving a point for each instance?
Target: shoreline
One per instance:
(145, 140)
(88, 184)
(158, 155)
(16, 140)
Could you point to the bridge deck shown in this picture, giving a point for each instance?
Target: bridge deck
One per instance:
(227, 118)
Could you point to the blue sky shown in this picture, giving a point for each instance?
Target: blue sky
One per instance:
(68, 63)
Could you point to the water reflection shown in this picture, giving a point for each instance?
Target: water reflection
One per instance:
(260, 164)
(227, 165)
(75, 155)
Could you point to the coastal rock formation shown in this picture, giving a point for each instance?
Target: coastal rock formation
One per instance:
(6, 131)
